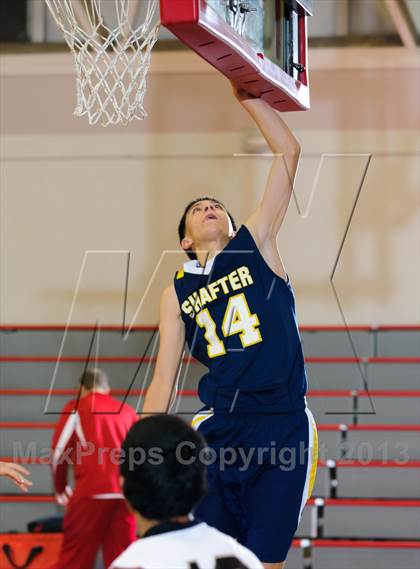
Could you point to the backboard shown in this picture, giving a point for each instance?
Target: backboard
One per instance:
(259, 44)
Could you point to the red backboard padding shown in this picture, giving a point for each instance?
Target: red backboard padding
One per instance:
(200, 28)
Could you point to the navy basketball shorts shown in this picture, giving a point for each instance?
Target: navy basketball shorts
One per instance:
(261, 471)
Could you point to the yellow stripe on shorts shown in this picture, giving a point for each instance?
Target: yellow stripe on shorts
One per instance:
(314, 458)
(198, 419)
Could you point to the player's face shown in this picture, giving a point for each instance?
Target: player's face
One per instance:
(207, 220)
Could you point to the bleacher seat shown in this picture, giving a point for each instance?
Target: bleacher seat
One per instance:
(367, 443)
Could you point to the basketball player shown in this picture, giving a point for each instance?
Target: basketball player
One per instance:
(163, 480)
(234, 304)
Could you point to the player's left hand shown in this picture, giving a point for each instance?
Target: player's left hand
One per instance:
(17, 474)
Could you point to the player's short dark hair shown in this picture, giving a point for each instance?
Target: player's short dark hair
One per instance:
(94, 378)
(182, 224)
(161, 467)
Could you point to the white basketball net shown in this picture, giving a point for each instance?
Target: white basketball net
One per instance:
(111, 62)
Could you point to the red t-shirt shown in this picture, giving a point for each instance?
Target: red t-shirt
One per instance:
(88, 437)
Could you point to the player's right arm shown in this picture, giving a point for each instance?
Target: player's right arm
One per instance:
(171, 347)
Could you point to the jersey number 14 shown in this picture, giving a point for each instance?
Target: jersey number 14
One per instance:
(237, 320)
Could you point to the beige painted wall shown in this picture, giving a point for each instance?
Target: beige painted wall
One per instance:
(67, 188)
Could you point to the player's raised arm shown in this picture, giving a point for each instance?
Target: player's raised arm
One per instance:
(171, 346)
(265, 222)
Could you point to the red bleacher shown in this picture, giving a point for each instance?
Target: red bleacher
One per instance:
(329, 501)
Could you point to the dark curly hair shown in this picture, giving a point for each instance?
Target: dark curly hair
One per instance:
(182, 223)
(170, 478)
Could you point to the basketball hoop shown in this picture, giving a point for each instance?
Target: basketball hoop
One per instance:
(111, 61)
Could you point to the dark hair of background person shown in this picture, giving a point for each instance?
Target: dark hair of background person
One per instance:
(94, 379)
(162, 486)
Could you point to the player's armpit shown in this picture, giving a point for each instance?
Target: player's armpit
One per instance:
(270, 253)
(171, 347)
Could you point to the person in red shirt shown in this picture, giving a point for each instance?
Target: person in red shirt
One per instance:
(88, 437)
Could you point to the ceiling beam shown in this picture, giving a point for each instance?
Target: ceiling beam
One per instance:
(402, 22)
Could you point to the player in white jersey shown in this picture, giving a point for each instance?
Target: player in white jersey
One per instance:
(164, 478)
(195, 546)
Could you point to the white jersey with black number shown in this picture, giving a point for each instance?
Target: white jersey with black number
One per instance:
(188, 546)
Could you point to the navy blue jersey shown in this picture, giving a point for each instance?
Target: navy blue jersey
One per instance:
(241, 323)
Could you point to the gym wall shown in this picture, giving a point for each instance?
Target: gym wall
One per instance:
(67, 188)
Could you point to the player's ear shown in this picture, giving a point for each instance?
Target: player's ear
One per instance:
(186, 243)
(232, 232)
